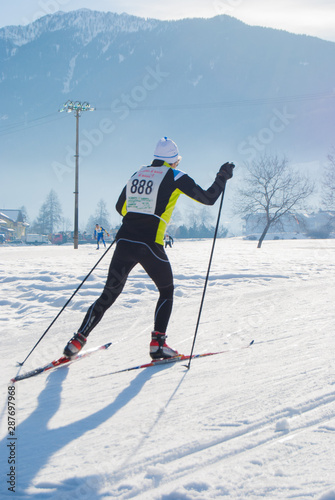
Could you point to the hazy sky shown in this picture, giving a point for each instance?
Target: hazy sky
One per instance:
(311, 17)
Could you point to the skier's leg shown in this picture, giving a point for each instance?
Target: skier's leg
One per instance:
(157, 265)
(119, 269)
(159, 270)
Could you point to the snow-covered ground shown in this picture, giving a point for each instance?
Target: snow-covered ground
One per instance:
(248, 424)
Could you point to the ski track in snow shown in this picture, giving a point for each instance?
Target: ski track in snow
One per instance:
(255, 423)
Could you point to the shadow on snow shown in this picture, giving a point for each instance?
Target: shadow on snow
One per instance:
(37, 444)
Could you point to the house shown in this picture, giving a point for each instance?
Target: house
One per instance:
(255, 224)
(319, 224)
(12, 224)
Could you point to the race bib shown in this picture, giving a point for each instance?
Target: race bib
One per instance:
(142, 189)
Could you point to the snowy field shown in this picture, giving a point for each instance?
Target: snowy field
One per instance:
(256, 423)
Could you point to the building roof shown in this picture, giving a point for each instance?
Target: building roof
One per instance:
(13, 215)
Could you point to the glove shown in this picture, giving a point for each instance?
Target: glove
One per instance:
(226, 171)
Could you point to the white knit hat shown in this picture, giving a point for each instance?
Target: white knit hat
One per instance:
(167, 150)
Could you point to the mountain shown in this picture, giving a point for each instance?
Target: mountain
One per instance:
(221, 89)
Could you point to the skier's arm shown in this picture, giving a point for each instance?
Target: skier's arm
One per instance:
(207, 196)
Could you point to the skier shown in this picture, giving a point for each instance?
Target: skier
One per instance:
(168, 241)
(146, 204)
(99, 235)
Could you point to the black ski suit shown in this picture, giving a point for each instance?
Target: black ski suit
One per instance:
(147, 203)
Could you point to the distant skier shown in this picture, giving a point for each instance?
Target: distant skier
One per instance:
(146, 203)
(99, 235)
(168, 240)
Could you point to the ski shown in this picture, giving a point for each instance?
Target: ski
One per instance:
(175, 359)
(63, 360)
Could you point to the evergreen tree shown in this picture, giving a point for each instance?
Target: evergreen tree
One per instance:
(101, 216)
(50, 215)
(90, 226)
(24, 214)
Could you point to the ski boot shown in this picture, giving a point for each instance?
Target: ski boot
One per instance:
(158, 347)
(74, 345)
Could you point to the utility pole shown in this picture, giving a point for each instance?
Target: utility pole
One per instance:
(77, 107)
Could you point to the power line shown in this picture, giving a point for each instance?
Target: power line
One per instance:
(35, 122)
(27, 124)
(234, 103)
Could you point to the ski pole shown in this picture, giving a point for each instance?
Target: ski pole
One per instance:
(66, 304)
(206, 280)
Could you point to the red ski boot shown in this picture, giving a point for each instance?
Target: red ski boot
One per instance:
(74, 345)
(158, 347)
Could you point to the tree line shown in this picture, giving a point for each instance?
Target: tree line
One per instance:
(270, 190)
(50, 217)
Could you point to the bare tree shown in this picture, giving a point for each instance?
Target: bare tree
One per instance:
(272, 190)
(66, 224)
(329, 183)
(199, 216)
